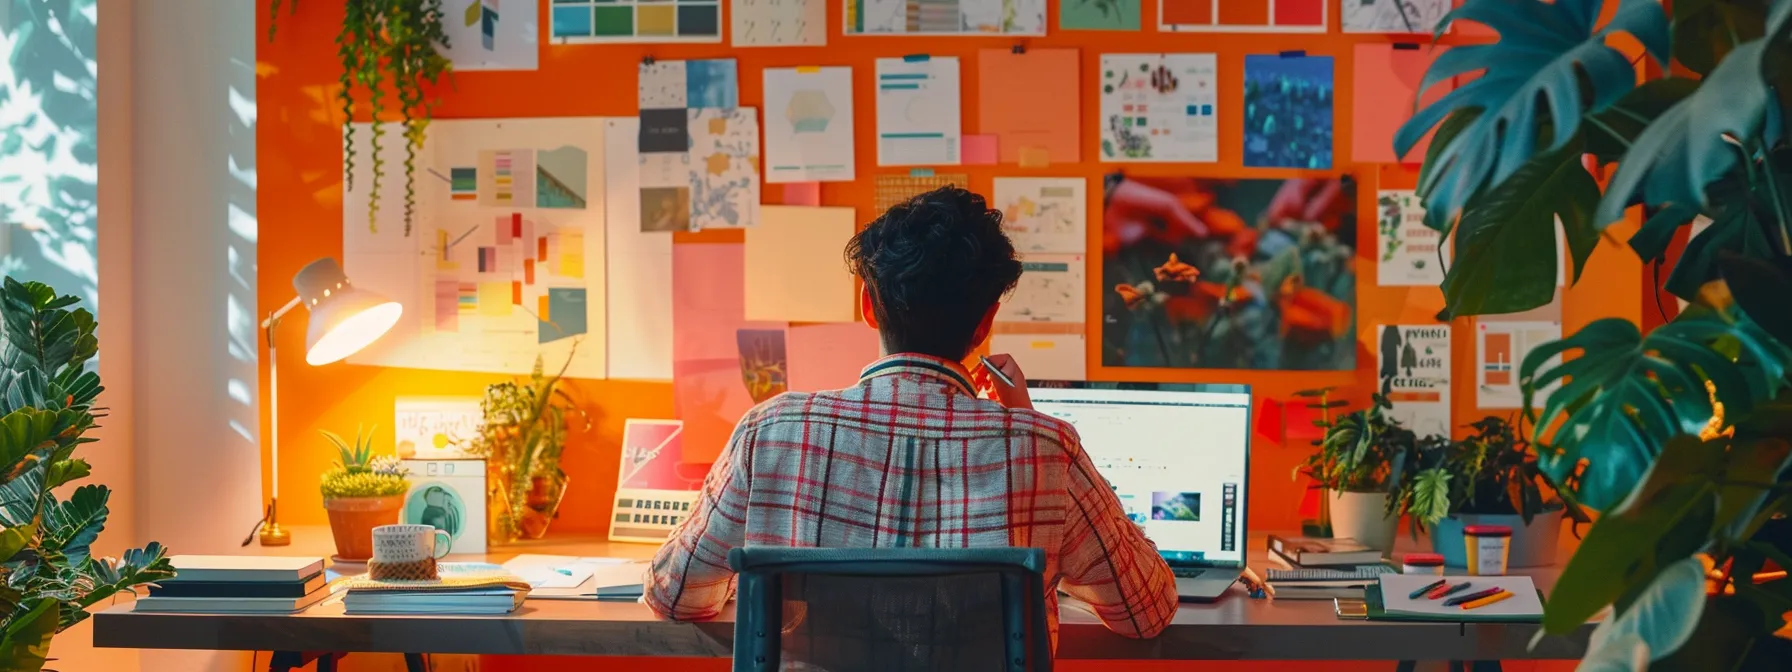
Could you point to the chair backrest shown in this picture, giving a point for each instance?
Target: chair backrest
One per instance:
(890, 609)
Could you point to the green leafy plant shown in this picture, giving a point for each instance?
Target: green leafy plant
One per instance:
(522, 438)
(1681, 436)
(1359, 450)
(48, 573)
(358, 473)
(386, 44)
(1492, 471)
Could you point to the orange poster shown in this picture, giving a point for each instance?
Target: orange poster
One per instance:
(1386, 81)
(1011, 87)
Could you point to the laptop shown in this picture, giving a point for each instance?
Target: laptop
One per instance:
(1178, 457)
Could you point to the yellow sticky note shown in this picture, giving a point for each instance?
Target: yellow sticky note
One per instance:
(1035, 157)
(494, 299)
(571, 263)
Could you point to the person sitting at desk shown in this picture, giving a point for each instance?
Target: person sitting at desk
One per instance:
(842, 469)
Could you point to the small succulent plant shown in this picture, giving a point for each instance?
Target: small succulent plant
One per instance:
(358, 473)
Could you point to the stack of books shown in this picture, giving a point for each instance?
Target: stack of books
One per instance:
(1322, 569)
(238, 584)
(463, 588)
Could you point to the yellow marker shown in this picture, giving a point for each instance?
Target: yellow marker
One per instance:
(808, 69)
(1490, 599)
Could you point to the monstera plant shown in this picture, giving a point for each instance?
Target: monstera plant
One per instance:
(48, 573)
(1679, 436)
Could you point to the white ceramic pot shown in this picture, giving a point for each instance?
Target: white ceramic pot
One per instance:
(1363, 516)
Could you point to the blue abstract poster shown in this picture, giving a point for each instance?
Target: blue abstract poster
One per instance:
(1288, 111)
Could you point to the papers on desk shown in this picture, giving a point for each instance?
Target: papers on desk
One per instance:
(565, 577)
(1397, 588)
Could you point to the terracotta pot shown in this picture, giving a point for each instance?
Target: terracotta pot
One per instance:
(1363, 516)
(352, 520)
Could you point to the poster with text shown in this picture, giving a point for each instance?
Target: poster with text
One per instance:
(1407, 250)
(1500, 348)
(1414, 375)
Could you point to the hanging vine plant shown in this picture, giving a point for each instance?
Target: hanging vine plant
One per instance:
(386, 43)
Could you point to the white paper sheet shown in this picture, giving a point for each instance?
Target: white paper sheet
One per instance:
(1415, 376)
(1045, 356)
(1159, 107)
(492, 34)
(1500, 348)
(1393, 16)
(964, 17)
(1406, 249)
(1051, 289)
(808, 125)
(778, 23)
(1044, 214)
(918, 111)
(1396, 591)
(724, 174)
(640, 266)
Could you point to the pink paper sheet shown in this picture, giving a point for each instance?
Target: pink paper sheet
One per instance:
(829, 356)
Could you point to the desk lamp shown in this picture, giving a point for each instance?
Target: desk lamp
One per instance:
(344, 319)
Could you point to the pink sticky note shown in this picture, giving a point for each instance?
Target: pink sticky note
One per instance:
(829, 356)
(978, 150)
(708, 313)
(802, 193)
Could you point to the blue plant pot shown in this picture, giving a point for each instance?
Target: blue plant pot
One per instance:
(1533, 545)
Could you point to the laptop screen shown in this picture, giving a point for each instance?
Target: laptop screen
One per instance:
(1176, 455)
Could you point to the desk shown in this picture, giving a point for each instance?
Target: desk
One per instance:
(1235, 628)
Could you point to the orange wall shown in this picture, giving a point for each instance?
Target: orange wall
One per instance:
(300, 214)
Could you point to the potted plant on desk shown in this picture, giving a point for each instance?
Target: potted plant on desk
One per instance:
(521, 440)
(1353, 465)
(361, 493)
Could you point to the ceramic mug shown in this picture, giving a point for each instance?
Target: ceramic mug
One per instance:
(394, 544)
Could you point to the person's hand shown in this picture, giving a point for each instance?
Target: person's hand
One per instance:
(1014, 396)
(1253, 583)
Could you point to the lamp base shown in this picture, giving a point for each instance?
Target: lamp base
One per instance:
(272, 534)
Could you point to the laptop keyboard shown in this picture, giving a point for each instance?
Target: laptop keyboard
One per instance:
(1187, 572)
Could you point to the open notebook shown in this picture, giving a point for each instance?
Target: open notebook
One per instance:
(1396, 600)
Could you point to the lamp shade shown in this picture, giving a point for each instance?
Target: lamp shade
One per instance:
(344, 319)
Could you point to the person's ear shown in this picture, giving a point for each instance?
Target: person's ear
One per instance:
(866, 308)
(983, 327)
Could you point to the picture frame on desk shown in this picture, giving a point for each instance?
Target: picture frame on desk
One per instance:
(450, 496)
(653, 494)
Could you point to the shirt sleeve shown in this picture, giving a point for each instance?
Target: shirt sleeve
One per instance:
(689, 578)
(1107, 562)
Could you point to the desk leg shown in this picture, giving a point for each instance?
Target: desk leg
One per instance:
(1406, 666)
(414, 662)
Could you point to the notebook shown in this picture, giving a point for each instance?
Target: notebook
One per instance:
(474, 601)
(263, 589)
(1392, 599)
(228, 605)
(245, 568)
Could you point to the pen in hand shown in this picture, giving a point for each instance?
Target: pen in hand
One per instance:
(991, 368)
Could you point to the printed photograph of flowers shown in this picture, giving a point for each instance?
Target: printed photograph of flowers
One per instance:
(1229, 274)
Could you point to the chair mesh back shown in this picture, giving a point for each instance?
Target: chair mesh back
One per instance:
(893, 623)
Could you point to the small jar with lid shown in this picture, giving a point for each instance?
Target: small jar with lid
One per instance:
(1422, 563)
(1488, 548)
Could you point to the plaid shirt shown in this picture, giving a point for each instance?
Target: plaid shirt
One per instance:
(910, 457)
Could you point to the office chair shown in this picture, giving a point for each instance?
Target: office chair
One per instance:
(890, 609)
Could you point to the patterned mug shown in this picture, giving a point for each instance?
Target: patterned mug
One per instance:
(394, 544)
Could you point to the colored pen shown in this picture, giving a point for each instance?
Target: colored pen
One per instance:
(1490, 599)
(991, 368)
(1428, 588)
(1451, 591)
(1470, 597)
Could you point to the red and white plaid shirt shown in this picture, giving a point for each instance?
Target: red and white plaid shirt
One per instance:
(910, 457)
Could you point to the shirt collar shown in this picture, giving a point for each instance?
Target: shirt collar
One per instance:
(910, 363)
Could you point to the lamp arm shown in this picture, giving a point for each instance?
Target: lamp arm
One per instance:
(274, 317)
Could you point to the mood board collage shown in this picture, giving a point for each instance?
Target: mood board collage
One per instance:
(552, 239)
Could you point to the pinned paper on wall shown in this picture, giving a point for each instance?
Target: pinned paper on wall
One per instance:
(1393, 16)
(976, 18)
(640, 266)
(599, 21)
(1041, 323)
(1387, 78)
(793, 267)
(1500, 348)
(893, 190)
(980, 150)
(1044, 214)
(778, 23)
(918, 112)
(1010, 87)
(802, 193)
(809, 125)
(1098, 15)
(830, 356)
(493, 35)
(1045, 356)
(492, 282)
(1415, 376)
(1159, 107)
(1241, 16)
(708, 312)
(435, 428)
(1288, 111)
(699, 151)
(725, 168)
(1407, 249)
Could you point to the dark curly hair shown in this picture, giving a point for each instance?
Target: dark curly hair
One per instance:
(934, 265)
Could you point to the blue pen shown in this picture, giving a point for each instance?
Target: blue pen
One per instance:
(563, 571)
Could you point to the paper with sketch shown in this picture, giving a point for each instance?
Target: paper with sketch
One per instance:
(640, 278)
(1500, 348)
(1011, 87)
(1386, 85)
(1052, 289)
(1044, 214)
(830, 356)
(1397, 589)
(1415, 376)
(724, 168)
(918, 107)
(489, 35)
(1159, 107)
(793, 268)
(778, 23)
(808, 125)
(1393, 16)
(1098, 15)
(963, 17)
(435, 428)
(1045, 356)
(1406, 249)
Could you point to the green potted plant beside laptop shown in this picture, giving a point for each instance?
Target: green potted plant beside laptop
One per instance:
(1353, 465)
(1489, 478)
(361, 492)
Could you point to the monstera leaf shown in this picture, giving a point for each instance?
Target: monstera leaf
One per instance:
(1628, 394)
(1549, 56)
(1506, 253)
